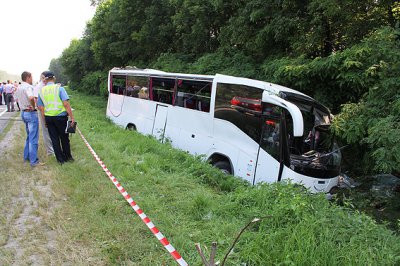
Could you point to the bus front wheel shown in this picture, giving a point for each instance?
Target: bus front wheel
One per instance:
(224, 166)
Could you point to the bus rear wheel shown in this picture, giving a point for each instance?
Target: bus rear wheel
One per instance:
(224, 166)
(131, 127)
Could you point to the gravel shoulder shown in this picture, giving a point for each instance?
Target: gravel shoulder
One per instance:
(32, 228)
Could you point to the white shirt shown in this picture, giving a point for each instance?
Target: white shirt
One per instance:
(23, 93)
(37, 89)
(9, 88)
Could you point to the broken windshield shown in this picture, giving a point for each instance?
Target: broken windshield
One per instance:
(315, 153)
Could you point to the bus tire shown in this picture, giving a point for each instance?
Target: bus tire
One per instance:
(131, 127)
(224, 166)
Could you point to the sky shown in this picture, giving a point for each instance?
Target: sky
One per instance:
(32, 32)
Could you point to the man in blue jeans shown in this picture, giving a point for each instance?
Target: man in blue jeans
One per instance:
(30, 117)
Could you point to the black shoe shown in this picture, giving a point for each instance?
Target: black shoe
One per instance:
(70, 160)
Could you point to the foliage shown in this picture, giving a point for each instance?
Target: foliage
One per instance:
(223, 62)
(141, 33)
(91, 83)
(78, 60)
(375, 120)
(58, 70)
(172, 62)
(191, 202)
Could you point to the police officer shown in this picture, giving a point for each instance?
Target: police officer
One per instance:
(53, 102)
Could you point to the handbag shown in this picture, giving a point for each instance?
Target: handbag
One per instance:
(70, 129)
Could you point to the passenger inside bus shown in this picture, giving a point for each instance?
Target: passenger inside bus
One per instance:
(189, 103)
(133, 91)
(144, 93)
(162, 90)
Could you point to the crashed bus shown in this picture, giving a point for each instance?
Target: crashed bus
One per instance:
(258, 131)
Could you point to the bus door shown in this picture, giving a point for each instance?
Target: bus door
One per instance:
(272, 154)
(237, 122)
(268, 159)
(160, 121)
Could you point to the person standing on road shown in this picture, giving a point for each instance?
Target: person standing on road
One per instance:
(16, 85)
(4, 92)
(53, 102)
(30, 117)
(45, 132)
(1, 93)
(9, 90)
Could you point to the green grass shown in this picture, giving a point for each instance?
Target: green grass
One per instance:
(8, 127)
(191, 202)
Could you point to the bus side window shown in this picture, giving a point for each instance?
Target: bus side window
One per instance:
(163, 90)
(240, 105)
(137, 87)
(194, 94)
(118, 84)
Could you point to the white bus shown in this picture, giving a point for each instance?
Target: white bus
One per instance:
(252, 129)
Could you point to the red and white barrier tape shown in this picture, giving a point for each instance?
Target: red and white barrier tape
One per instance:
(136, 208)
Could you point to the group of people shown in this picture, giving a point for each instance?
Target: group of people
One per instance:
(7, 92)
(52, 102)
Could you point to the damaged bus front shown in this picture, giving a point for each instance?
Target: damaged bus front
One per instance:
(313, 156)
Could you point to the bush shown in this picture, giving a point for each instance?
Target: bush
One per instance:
(233, 63)
(375, 120)
(172, 63)
(94, 83)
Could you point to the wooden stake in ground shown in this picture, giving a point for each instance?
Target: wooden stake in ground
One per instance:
(211, 262)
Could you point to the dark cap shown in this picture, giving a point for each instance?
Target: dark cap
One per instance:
(48, 75)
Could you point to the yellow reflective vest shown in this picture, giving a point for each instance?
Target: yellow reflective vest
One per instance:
(50, 96)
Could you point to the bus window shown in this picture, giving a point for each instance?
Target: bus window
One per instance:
(240, 105)
(163, 90)
(135, 85)
(194, 94)
(270, 139)
(118, 83)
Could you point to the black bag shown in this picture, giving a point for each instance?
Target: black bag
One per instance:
(70, 128)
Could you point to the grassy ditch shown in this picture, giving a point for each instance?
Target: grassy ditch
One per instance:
(191, 202)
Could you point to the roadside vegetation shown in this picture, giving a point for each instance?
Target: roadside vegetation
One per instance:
(191, 202)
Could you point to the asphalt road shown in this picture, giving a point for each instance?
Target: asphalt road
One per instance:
(5, 117)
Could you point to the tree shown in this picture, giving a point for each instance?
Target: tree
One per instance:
(197, 27)
(58, 70)
(374, 122)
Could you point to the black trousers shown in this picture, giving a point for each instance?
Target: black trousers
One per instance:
(10, 102)
(1, 98)
(56, 126)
